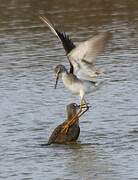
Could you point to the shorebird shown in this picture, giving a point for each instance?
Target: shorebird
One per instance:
(60, 136)
(80, 79)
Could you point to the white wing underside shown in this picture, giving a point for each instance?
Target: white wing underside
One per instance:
(83, 57)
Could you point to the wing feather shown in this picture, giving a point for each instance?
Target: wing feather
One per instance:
(83, 57)
(90, 49)
(63, 37)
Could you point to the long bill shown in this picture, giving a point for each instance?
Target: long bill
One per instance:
(56, 80)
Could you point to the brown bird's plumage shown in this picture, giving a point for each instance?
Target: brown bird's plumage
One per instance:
(59, 136)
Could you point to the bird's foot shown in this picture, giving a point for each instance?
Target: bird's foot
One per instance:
(84, 105)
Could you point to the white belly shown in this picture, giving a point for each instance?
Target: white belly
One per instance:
(78, 87)
(74, 87)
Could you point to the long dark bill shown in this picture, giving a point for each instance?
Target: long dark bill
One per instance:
(56, 80)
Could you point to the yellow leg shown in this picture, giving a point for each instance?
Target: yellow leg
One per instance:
(65, 128)
(83, 102)
(83, 109)
(71, 122)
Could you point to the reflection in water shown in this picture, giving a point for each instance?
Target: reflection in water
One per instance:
(28, 102)
(88, 162)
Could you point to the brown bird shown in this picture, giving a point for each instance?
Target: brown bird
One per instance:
(59, 135)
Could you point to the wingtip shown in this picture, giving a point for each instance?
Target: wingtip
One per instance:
(105, 37)
(49, 24)
(45, 20)
(41, 17)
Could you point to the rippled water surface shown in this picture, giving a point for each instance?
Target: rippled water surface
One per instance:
(30, 108)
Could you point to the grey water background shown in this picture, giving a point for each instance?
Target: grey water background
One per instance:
(30, 108)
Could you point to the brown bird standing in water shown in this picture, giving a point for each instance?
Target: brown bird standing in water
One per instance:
(61, 136)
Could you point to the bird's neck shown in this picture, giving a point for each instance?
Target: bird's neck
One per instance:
(64, 75)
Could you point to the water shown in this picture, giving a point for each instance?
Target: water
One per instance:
(30, 108)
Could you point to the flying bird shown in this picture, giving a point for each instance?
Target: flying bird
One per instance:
(80, 79)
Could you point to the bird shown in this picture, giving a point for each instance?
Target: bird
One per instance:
(81, 78)
(59, 136)
(73, 83)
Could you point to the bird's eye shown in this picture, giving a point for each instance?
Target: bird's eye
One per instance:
(75, 104)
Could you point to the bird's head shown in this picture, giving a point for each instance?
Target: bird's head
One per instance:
(59, 70)
(72, 109)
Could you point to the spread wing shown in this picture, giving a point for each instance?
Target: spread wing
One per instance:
(90, 49)
(65, 40)
(84, 55)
